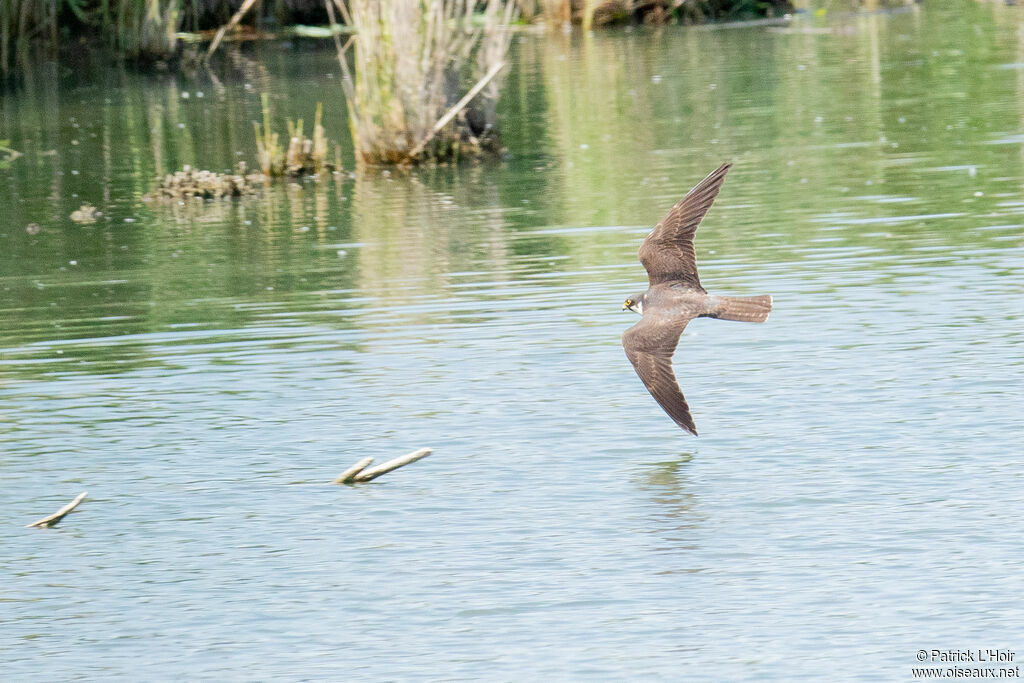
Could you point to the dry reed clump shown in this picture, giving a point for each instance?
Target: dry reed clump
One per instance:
(193, 184)
(414, 61)
(304, 156)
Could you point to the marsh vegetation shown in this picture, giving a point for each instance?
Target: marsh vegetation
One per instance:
(421, 77)
(413, 65)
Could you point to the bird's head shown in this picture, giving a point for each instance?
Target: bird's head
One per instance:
(635, 303)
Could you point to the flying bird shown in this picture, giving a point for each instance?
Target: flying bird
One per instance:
(675, 297)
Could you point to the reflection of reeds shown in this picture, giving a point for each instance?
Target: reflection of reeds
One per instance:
(19, 20)
(418, 228)
(598, 116)
(600, 12)
(412, 60)
(558, 11)
(137, 28)
(7, 155)
(146, 29)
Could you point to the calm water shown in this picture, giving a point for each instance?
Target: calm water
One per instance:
(856, 494)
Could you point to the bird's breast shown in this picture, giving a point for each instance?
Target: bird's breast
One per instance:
(679, 299)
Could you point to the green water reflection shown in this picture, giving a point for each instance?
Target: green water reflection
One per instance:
(876, 135)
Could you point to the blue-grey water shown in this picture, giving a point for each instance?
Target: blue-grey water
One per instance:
(204, 372)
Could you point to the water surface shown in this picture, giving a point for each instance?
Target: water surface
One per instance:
(204, 372)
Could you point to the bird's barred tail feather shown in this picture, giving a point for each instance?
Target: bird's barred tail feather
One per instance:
(751, 309)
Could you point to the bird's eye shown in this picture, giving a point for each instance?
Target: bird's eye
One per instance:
(629, 302)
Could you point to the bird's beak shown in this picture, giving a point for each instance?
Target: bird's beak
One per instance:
(625, 307)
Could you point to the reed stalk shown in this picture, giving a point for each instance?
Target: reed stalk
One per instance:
(268, 150)
(303, 156)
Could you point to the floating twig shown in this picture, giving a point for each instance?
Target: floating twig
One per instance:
(358, 474)
(54, 519)
(349, 475)
(374, 472)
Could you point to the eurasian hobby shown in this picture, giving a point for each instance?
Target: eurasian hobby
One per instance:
(675, 297)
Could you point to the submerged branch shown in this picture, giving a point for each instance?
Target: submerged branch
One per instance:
(358, 473)
(349, 475)
(54, 519)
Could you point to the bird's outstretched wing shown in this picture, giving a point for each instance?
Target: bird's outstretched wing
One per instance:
(668, 253)
(649, 345)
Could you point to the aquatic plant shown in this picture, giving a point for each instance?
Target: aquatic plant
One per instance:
(303, 156)
(268, 149)
(411, 61)
(150, 30)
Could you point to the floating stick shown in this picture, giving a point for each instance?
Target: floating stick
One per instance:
(348, 475)
(54, 519)
(386, 467)
(357, 474)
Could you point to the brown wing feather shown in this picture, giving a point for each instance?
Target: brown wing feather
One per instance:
(649, 346)
(668, 253)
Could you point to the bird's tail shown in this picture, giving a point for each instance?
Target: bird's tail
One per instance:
(751, 309)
